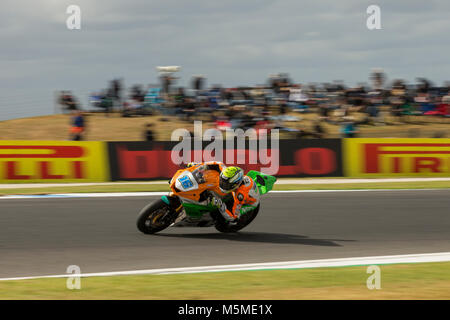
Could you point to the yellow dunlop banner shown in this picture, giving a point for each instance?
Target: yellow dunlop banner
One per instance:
(53, 161)
(396, 157)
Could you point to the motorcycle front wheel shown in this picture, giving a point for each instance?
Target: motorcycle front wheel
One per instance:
(154, 217)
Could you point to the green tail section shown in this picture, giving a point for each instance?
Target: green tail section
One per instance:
(264, 182)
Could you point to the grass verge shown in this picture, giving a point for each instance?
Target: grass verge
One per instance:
(164, 187)
(401, 281)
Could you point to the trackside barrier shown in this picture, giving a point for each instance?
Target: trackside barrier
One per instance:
(396, 157)
(134, 161)
(53, 161)
(70, 161)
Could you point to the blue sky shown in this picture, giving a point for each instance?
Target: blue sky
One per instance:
(231, 42)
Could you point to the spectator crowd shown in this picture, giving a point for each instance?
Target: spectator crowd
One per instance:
(275, 104)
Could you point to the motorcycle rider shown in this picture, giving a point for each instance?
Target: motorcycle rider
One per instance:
(232, 181)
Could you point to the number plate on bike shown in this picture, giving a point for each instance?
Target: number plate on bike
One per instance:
(186, 182)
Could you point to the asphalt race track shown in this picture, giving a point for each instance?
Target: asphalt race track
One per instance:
(45, 236)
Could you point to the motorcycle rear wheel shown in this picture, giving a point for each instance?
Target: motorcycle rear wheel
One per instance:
(223, 226)
(154, 217)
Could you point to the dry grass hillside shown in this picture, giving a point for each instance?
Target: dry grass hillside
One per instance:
(116, 128)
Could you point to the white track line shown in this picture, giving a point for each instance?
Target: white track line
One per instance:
(150, 194)
(77, 184)
(343, 262)
(350, 190)
(85, 195)
(344, 181)
(279, 181)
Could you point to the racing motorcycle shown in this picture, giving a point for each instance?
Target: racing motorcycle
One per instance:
(182, 207)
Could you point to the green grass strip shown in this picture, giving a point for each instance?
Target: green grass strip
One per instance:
(400, 281)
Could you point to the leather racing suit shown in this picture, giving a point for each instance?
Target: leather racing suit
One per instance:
(232, 204)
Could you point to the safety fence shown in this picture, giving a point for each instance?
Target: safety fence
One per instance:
(69, 161)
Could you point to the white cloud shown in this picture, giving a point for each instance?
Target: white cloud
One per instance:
(232, 41)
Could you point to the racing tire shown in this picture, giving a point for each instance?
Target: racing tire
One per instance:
(154, 217)
(223, 226)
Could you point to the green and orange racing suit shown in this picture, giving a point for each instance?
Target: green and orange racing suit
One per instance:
(245, 197)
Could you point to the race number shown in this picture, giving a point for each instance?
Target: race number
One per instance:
(186, 182)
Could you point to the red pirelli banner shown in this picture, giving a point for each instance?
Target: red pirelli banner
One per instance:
(396, 157)
(291, 158)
